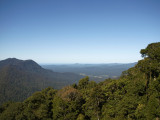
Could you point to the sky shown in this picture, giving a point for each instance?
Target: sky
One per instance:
(78, 31)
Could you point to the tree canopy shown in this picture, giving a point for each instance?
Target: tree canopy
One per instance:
(134, 96)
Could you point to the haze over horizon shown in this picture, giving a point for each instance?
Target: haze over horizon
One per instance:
(81, 31)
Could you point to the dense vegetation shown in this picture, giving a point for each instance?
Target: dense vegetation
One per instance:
(135, 96)
(20, 79)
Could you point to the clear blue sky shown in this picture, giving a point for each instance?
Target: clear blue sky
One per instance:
(78, 31)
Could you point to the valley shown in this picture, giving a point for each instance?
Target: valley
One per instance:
(96, 72)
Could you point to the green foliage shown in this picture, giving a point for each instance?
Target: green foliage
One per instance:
(94, 103)
(36, 107)
(134, 96)
(151, 65)
(82, 84)
(11, 111)
(81, 117)
(67, 104)
(152, 51)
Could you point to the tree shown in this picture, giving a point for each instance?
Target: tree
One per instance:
(94, 103)
(151, 63)
(152, 51)
(82, 84)
(67, 104)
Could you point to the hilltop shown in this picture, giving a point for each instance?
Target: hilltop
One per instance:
(20, 78)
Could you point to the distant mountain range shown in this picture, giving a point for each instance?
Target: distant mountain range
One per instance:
(20, 78)
(96, 72)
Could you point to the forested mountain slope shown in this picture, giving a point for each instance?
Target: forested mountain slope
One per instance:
(134, 96)
(19, 79)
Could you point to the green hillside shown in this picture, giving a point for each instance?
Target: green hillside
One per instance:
(20, 79)
(134, 96)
